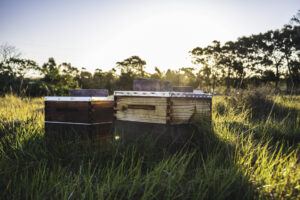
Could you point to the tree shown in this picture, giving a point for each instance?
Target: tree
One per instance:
(210, 60)
(13, 69)
(105, 79)
(158, 74)
(188, 77)
(296, 18)
(58, 79)
(134, 65)
(7, 52)
(290, 49)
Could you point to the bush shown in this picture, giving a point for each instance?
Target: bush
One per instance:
(257, 101)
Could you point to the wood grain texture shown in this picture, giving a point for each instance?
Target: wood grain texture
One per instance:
(101, 111)
(67, 111)
(79, 112)
(126, 109)
(167, 110)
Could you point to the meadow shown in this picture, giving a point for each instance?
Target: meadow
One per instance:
(252, 151)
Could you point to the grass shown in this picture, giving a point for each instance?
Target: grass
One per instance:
(241, 157)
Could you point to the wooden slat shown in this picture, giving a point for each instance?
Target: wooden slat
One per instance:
(67, 111)
(142, 100)
(138, 109)
(183, 110)
(79, 112)
(101, 111)
(136, 118)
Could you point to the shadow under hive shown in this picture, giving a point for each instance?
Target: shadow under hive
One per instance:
(167, 115)
(89, 117)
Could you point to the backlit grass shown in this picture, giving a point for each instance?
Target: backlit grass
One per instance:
(241, 157)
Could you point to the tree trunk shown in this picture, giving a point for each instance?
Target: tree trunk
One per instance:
(228, 82)
(277, 78)
(214, 83)
(290, 75)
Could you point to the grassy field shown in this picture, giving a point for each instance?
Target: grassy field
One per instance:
(252, 151)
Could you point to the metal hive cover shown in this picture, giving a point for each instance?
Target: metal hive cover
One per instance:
(69, 98)
(163, 94)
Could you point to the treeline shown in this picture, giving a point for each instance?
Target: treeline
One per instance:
(271, 58)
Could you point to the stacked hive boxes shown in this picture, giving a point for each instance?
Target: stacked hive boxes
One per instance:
(153, 109)
(166, 115)
(88, 114)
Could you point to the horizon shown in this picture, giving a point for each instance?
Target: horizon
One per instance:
(97, 34)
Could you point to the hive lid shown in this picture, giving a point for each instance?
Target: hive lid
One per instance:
(68, 98)
(162, 94)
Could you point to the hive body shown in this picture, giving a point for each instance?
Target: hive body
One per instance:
(86, 116)
(161, 107)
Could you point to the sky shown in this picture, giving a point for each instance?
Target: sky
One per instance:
(97, 33)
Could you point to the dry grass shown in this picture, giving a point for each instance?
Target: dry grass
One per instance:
(241, 158)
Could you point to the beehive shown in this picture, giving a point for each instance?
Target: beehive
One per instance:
(86, 116)
(161, 107)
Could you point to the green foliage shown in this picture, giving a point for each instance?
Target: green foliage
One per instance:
(240, 158)
(58, 79)
(133, 65)
(267, 57)
(270, 58)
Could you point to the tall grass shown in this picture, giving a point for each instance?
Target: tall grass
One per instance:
(241, 157)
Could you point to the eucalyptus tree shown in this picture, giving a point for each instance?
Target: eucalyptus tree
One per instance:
(58, 79)
(189, 78)
(14, 69)
(158, 74)
(210, 60)
(290, 48)
(104, 79)
(268, 54)
(133, 64)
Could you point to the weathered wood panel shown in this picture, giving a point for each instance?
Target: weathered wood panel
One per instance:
(68, 119)
(203, 107)
(67, 111)
(102, 111)
(79, 112)
(184, 110)
(152, 110)
(172, 110)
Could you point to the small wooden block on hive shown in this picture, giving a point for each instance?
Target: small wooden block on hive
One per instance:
(144, 84)
(89, 92)
(183, 89)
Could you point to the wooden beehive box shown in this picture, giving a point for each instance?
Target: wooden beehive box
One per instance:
(161, 107)
(85, 116)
